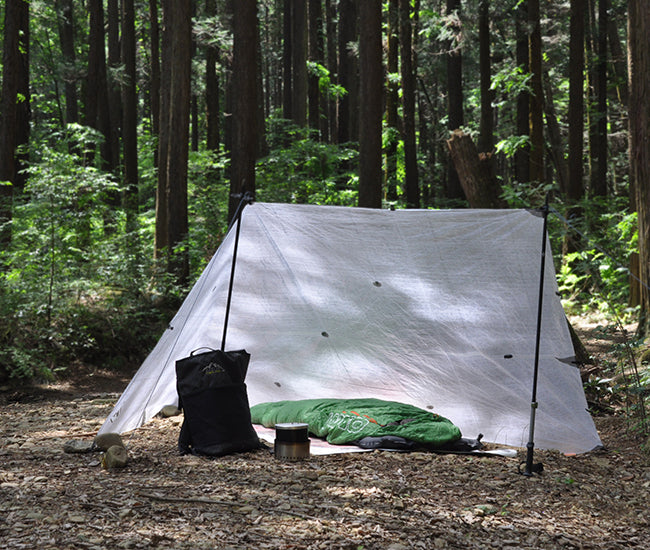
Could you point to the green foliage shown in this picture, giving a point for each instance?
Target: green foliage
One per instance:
(511, 81)
(303, 170)
(72, 283)
(208, 196)
(325, 84)
(596, 277)
(511, 144)
(525, 195)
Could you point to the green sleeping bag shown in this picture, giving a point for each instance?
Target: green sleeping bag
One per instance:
(342, 421)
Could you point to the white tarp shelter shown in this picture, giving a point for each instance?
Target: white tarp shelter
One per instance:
(433, 308)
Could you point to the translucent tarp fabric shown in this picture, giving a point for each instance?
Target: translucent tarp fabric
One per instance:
(433, 308)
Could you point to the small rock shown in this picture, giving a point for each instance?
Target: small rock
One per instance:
(104, 441)
(115, 457)
(170, 410)
(78, 446)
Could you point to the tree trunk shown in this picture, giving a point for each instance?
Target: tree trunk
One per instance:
(211, 88)
(244, 150)
(161, 245)
(316, 53)
(299, 62)
(475, 172)
(95, 48)
(23, 112)
(454, 95)
(537, 96)
(411, 182)
(347, 69)
(332, 67)
(97, 108)
(194, 97)
(618, 58)
(66, 36)
(591, 77)
(129, 116)
(392, 99)
(154, 82)
(178, 141)
(486, 136)
(557, 145)
(113, 86)
(575, 187)
(522, 155)
(287, 71)
(9, 115)
(639, 71)
(599, 118)
(371, 85)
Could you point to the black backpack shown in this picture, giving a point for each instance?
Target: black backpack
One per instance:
(213, 396)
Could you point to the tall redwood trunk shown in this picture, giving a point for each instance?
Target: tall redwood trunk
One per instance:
(178, 140)
(299, 62)
(9, 115)
(392, 99)
(575, 187)
(522, 165)
(371, 86)
(639, 71)
(244, 114)
(113, 86)
(347, 70)
(537, 96)
(161, 245)
(486, 136)
(599, 172)
(316, 53)
(211, 88)
(154, 83)
(287, 71)
(454, 95)
(129, 115)
(408, 106)
(66, 37)
(332, 67)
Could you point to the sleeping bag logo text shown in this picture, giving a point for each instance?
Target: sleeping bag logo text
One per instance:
(350, 422)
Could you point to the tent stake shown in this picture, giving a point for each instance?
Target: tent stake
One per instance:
(246, 198)
(530, 446)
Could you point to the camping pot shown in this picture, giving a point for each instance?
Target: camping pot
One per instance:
(291, 441)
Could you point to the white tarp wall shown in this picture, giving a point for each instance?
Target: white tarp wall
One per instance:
(433, 308)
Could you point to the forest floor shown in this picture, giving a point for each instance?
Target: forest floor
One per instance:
(377, 500)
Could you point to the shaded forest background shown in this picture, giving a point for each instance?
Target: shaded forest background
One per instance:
(130, 128)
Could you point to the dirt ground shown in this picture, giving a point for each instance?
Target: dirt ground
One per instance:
(378, 500)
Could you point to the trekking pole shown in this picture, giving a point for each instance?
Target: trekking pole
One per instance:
(246, 198)
(530, 446)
